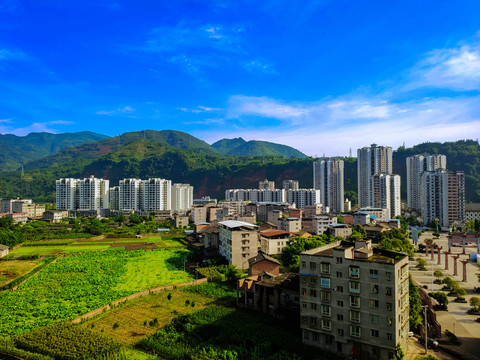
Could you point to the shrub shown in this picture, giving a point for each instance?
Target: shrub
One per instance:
(440, 297)
(475, 303)
(421, 263)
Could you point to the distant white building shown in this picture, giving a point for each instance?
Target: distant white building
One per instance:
(89, 194)
(303, 197)
(266, 185)
(66, 194)
(385, 192)
(156, 194)
(328, 178)
(181, 197)
(129, 194)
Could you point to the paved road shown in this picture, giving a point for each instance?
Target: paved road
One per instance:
(456, 318)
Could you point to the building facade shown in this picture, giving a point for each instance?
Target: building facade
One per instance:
(354, 299)
(386, 193)
(266, 185)
(238, 242)
(66, 194)
(416, 165)
(328, 178)
(182, 197)
(290, 185)
(443, 197)
(370, 161)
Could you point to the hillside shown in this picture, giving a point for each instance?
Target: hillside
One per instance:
(240, 147)
(91, 151)
(18, 150)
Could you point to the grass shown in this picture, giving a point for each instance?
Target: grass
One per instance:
(58, 246)
(132, 315)
(74, 285)
(12, 269)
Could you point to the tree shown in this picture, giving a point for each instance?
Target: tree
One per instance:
(441, 297)
(421, 263)
(460, 293)
(399, 354)
(475, 303)
(438, 274)
(232, 274)
(415, 305)
(448, 282)
(296, 245)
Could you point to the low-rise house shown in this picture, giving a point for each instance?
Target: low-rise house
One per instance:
(273, 241)
(181, 221)
(340, 230)
(291, 224)
(263, 264)
(18, 217)
(4, 250)
(54, 216)
(373, 231)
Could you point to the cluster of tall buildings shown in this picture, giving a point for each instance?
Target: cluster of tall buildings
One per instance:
(92, 194)
(266, 192)
(437, 193)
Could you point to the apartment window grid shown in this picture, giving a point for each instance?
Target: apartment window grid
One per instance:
(354, 287)
(355, 331)
(326, 310)
(325, 283)
(374, 274)
(354, 272)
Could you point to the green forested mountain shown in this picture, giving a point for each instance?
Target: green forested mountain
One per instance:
(18, 150)
(240, 147)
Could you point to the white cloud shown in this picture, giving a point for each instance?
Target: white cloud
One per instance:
(11, 55)
(455, 68)
(199, 109)
(35, 127)
(240, 105)
(125, 110)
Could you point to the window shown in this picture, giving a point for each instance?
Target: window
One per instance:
(305, 320)
(374, 274)
(325, 283)
(304, 305)
(354, 301)
(389, 337)
(304, 264)
(340, 303)
(339, 260)
(404, 270)
(354, 272)
(374, 289)
(373, 303)
(325, 296)
(355, 316)
(354, 287)
(354, 331)
(374, 333)
(326, 310)
(341, 332)
(339, 274)
(306, 335)
(374, 318)
(389, 306)
(313, 292)
(313, 306)
(313, 321)
(340, 288)
(304, 291)
(313, 266)
(325, 268)
(326, 324)
(388, 276)
(313, 280)
(388, 291)
(339, 317)
(316, 337)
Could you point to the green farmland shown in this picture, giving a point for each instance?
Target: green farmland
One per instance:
(55, 247)
(77, 284)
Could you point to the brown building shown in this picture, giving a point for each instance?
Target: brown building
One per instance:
(263, 264)
(273, 241)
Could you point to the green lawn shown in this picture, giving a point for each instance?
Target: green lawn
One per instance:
(77, 284)
(12, 269)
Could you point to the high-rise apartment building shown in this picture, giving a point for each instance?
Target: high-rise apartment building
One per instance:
(182, 197)
(443, 197)
(371, 161)
(155, 194)
(114, 197)
(266, 185)
(66, 194)
(93, 194)
(416, 165)
(352, 304)
(255, 195)
(303, 197)
(129, 194)
(328, 178)
(290, 185)
(385, 192)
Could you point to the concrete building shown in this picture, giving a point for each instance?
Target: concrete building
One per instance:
(155, 195)
(416, 165)
(320, 224)
(472, 211)
(386, 193)
(26, 206)
(290, 185)
(370, 161)
(266, 185)
(238, 242)
(66, 194)
(354, 299)
(93, 194)
(328, 178)
(54, 216)
(114, 197)
(273, 241)
(443, 197)
(255, 195)
(182, 197)
(4, 250)
(303, 197)
(291, 224)
(129, 194)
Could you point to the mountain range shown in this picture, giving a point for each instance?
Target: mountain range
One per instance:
(181, 157)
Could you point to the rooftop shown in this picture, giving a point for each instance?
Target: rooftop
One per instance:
(232, 224)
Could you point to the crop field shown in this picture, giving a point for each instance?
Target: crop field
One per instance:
(12, 269)
(55, 247)
(77, 284)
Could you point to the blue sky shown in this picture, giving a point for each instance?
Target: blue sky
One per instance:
(321, 76)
